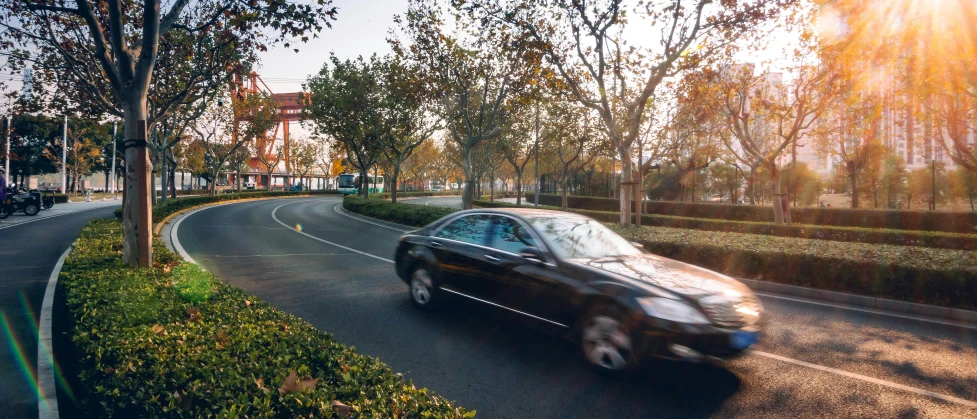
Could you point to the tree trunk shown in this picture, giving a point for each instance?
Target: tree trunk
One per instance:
(172, 177)
(626, 179)
(854, 190)
(563, 180)
(137, 213)
(518, 187)
(268, 186)
(468, 196)
(162, 177)
(393, 183)
(778, 209)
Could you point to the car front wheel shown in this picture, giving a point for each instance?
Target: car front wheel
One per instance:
(422, 290)
(606, 341)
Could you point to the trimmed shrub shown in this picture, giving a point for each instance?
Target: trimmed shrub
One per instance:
(146, 352)
(60, 198)
(954, 222)
(930, 276)
(406, 214)
(412, 194)
(191, 283)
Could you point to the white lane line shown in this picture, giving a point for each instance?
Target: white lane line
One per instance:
(341, 210)
(51, 216)
(284, 255)
(47, 400)
(880, 382)
(869, 310)
(427, 203)
(273, 216)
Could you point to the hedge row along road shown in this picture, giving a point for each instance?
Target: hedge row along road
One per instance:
(814, 360)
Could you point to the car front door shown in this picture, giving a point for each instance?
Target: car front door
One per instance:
(460, 248)
(532, 286)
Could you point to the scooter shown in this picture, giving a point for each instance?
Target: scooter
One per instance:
(20, 200)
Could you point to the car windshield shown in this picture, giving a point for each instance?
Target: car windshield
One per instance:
(576, 237)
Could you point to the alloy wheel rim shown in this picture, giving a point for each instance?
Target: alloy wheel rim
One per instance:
(420, 287)
(606, 343)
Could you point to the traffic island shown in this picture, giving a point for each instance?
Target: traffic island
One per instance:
(173, 340)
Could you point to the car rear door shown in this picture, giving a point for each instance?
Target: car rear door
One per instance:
(460, 248)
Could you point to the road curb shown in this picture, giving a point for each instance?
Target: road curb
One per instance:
(926, 310)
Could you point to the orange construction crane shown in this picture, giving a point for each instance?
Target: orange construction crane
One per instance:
(290, 108)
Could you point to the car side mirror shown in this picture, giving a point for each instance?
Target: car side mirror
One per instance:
(532, 253)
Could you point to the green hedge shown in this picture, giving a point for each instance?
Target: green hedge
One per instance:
(60, 198)
(145, 351)
(412, 194)
(929, 276)
(954, 222)
(411, 215)
(164, 209)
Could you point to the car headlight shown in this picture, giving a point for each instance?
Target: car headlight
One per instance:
(674, 310)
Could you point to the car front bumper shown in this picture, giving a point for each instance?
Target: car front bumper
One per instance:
(694, 342)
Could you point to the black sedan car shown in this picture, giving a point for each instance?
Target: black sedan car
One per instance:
(620, 303)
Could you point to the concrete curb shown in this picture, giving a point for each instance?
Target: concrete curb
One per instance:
(946, 313)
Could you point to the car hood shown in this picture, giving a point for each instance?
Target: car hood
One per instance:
(674, 276)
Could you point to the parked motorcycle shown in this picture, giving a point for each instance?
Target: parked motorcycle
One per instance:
(20, 200)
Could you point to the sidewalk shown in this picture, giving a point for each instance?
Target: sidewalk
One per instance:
(57, 210)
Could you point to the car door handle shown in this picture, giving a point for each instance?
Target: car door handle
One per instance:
(436, 244)
(492, 258)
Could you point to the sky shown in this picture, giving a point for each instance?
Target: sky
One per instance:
(360, 29)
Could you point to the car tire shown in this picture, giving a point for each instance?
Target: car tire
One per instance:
(423, 293)
(607, 341)
(32, 209)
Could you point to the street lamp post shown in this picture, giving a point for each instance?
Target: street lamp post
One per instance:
(6, 163)
(64, 156)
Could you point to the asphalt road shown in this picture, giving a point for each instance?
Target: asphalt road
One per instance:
(813, 361)
(28, 253)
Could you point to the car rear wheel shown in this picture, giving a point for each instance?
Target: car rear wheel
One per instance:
(422, 290)
(607, 342)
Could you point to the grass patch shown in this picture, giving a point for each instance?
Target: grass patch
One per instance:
(150, 347)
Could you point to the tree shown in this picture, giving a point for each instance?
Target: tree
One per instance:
(411, 117)
(963, 185)
(84, 150)
(421, 161)
(583, 42)
(345, 103)
(304, 160)
(106, 54)
(29, 137)
(474, 71)
(214, 133)
(515, 142)
(920, 186)
(269, 159)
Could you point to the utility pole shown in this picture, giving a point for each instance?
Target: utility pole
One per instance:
(6, 162)
(64, 156)
(115, 186)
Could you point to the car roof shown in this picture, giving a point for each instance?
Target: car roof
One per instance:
(528, 212)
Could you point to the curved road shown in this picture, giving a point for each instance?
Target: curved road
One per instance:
(333, 270)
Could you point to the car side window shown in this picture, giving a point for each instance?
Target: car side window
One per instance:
(474, 229)
(511, 236)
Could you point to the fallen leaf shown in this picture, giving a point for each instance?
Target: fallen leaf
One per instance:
(194, 314)
(157, 329)
(261, 384)
(222, 337)
(247, 303)
(284, 327)
(109, 370)
(307, 384)
(342, 409)
(167, 269)
(289, 385)
(179, 342)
